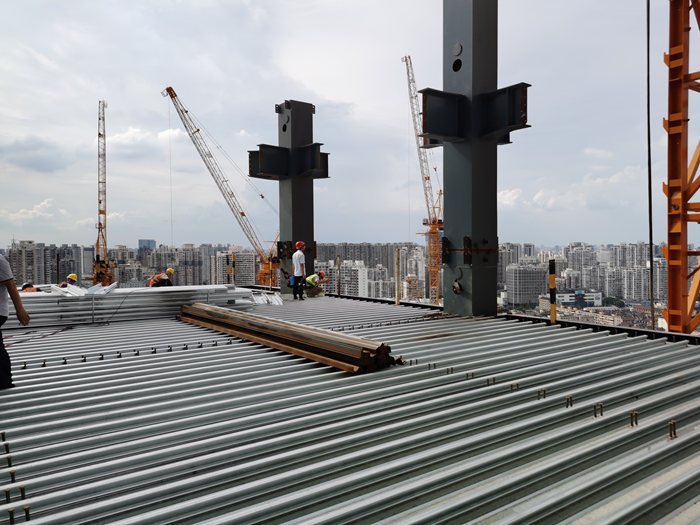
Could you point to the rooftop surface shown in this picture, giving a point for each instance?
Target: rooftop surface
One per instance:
(489, 421)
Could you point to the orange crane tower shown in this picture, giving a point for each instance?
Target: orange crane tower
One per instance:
(434, 221)
(101, 269)
(267, 275)
(683, 183)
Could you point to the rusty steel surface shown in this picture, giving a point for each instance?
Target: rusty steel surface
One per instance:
(344, 351)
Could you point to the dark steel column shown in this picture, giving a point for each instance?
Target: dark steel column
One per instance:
(470, 61)
(470, 118)
(295, 163)
(296, 194)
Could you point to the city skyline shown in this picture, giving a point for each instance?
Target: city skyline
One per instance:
(586, 276)
(571, 175)
(247, 247)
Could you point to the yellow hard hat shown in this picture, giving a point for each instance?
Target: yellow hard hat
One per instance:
(170, 271)
(72, 276)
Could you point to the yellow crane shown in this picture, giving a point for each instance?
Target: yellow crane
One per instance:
(269, 265)
(434, 221)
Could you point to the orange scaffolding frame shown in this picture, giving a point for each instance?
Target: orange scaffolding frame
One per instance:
(683, 184)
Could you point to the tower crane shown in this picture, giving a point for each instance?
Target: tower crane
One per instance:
(267, 275)
(434, 220)
(683, 180)
(101, 268)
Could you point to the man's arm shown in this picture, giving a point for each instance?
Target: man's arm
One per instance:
(22, 314)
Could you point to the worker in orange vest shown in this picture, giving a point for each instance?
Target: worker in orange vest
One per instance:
(162, 279)
(70, 279)
(29, 287)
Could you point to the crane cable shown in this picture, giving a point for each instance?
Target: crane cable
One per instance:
(170, 162)
(649, 192)
(233, 162)
(203, 128)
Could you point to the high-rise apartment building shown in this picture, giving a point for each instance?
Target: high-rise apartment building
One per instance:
(612, 284)
(147, 244)
(660, 279)
(635, 284)
(526, 282)
(579, 255)
(352, 275)
(222, 269)
(232, 268)
(371, 254)
(245, 268)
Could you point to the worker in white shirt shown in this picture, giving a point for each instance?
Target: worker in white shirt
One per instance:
(299, 267)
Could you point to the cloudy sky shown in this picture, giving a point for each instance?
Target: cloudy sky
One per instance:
(579, 174)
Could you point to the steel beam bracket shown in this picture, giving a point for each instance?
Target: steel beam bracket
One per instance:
(447, 117)
(285, 249)
(503, 111)
(469, 249)
(278, 163)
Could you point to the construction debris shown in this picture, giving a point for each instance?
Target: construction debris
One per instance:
(347, 352)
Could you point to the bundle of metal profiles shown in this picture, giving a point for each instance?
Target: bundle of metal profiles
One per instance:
(343, 351)
(489, 421)
(122, 303)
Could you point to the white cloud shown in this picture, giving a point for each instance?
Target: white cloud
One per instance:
(86, 221)
(170, 134)
(509, 198)
(116, 217)
(129, 137)
(43, 210)
(597, 153)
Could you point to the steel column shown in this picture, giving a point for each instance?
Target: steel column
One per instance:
(470, 118)
(295, 163)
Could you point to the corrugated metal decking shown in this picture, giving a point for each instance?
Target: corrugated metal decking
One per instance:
(490, 421)
(121, 304)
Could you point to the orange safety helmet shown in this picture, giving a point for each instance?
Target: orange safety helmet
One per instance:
(322, 274)
(300, 245)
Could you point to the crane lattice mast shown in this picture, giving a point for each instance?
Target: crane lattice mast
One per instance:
(101, 268)
(267, 275)
(434, 205)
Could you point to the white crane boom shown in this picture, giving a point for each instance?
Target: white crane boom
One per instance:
(217, 174)
(434, 206)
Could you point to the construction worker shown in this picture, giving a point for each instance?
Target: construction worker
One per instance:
(312, 284)
(162, 279)
(8, 289)
(29, 287)
(70, 279)
(299, 265)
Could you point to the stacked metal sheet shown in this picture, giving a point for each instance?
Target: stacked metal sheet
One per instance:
(490, 421)
(48, 309)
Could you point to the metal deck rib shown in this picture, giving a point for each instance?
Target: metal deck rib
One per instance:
(490, 421)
